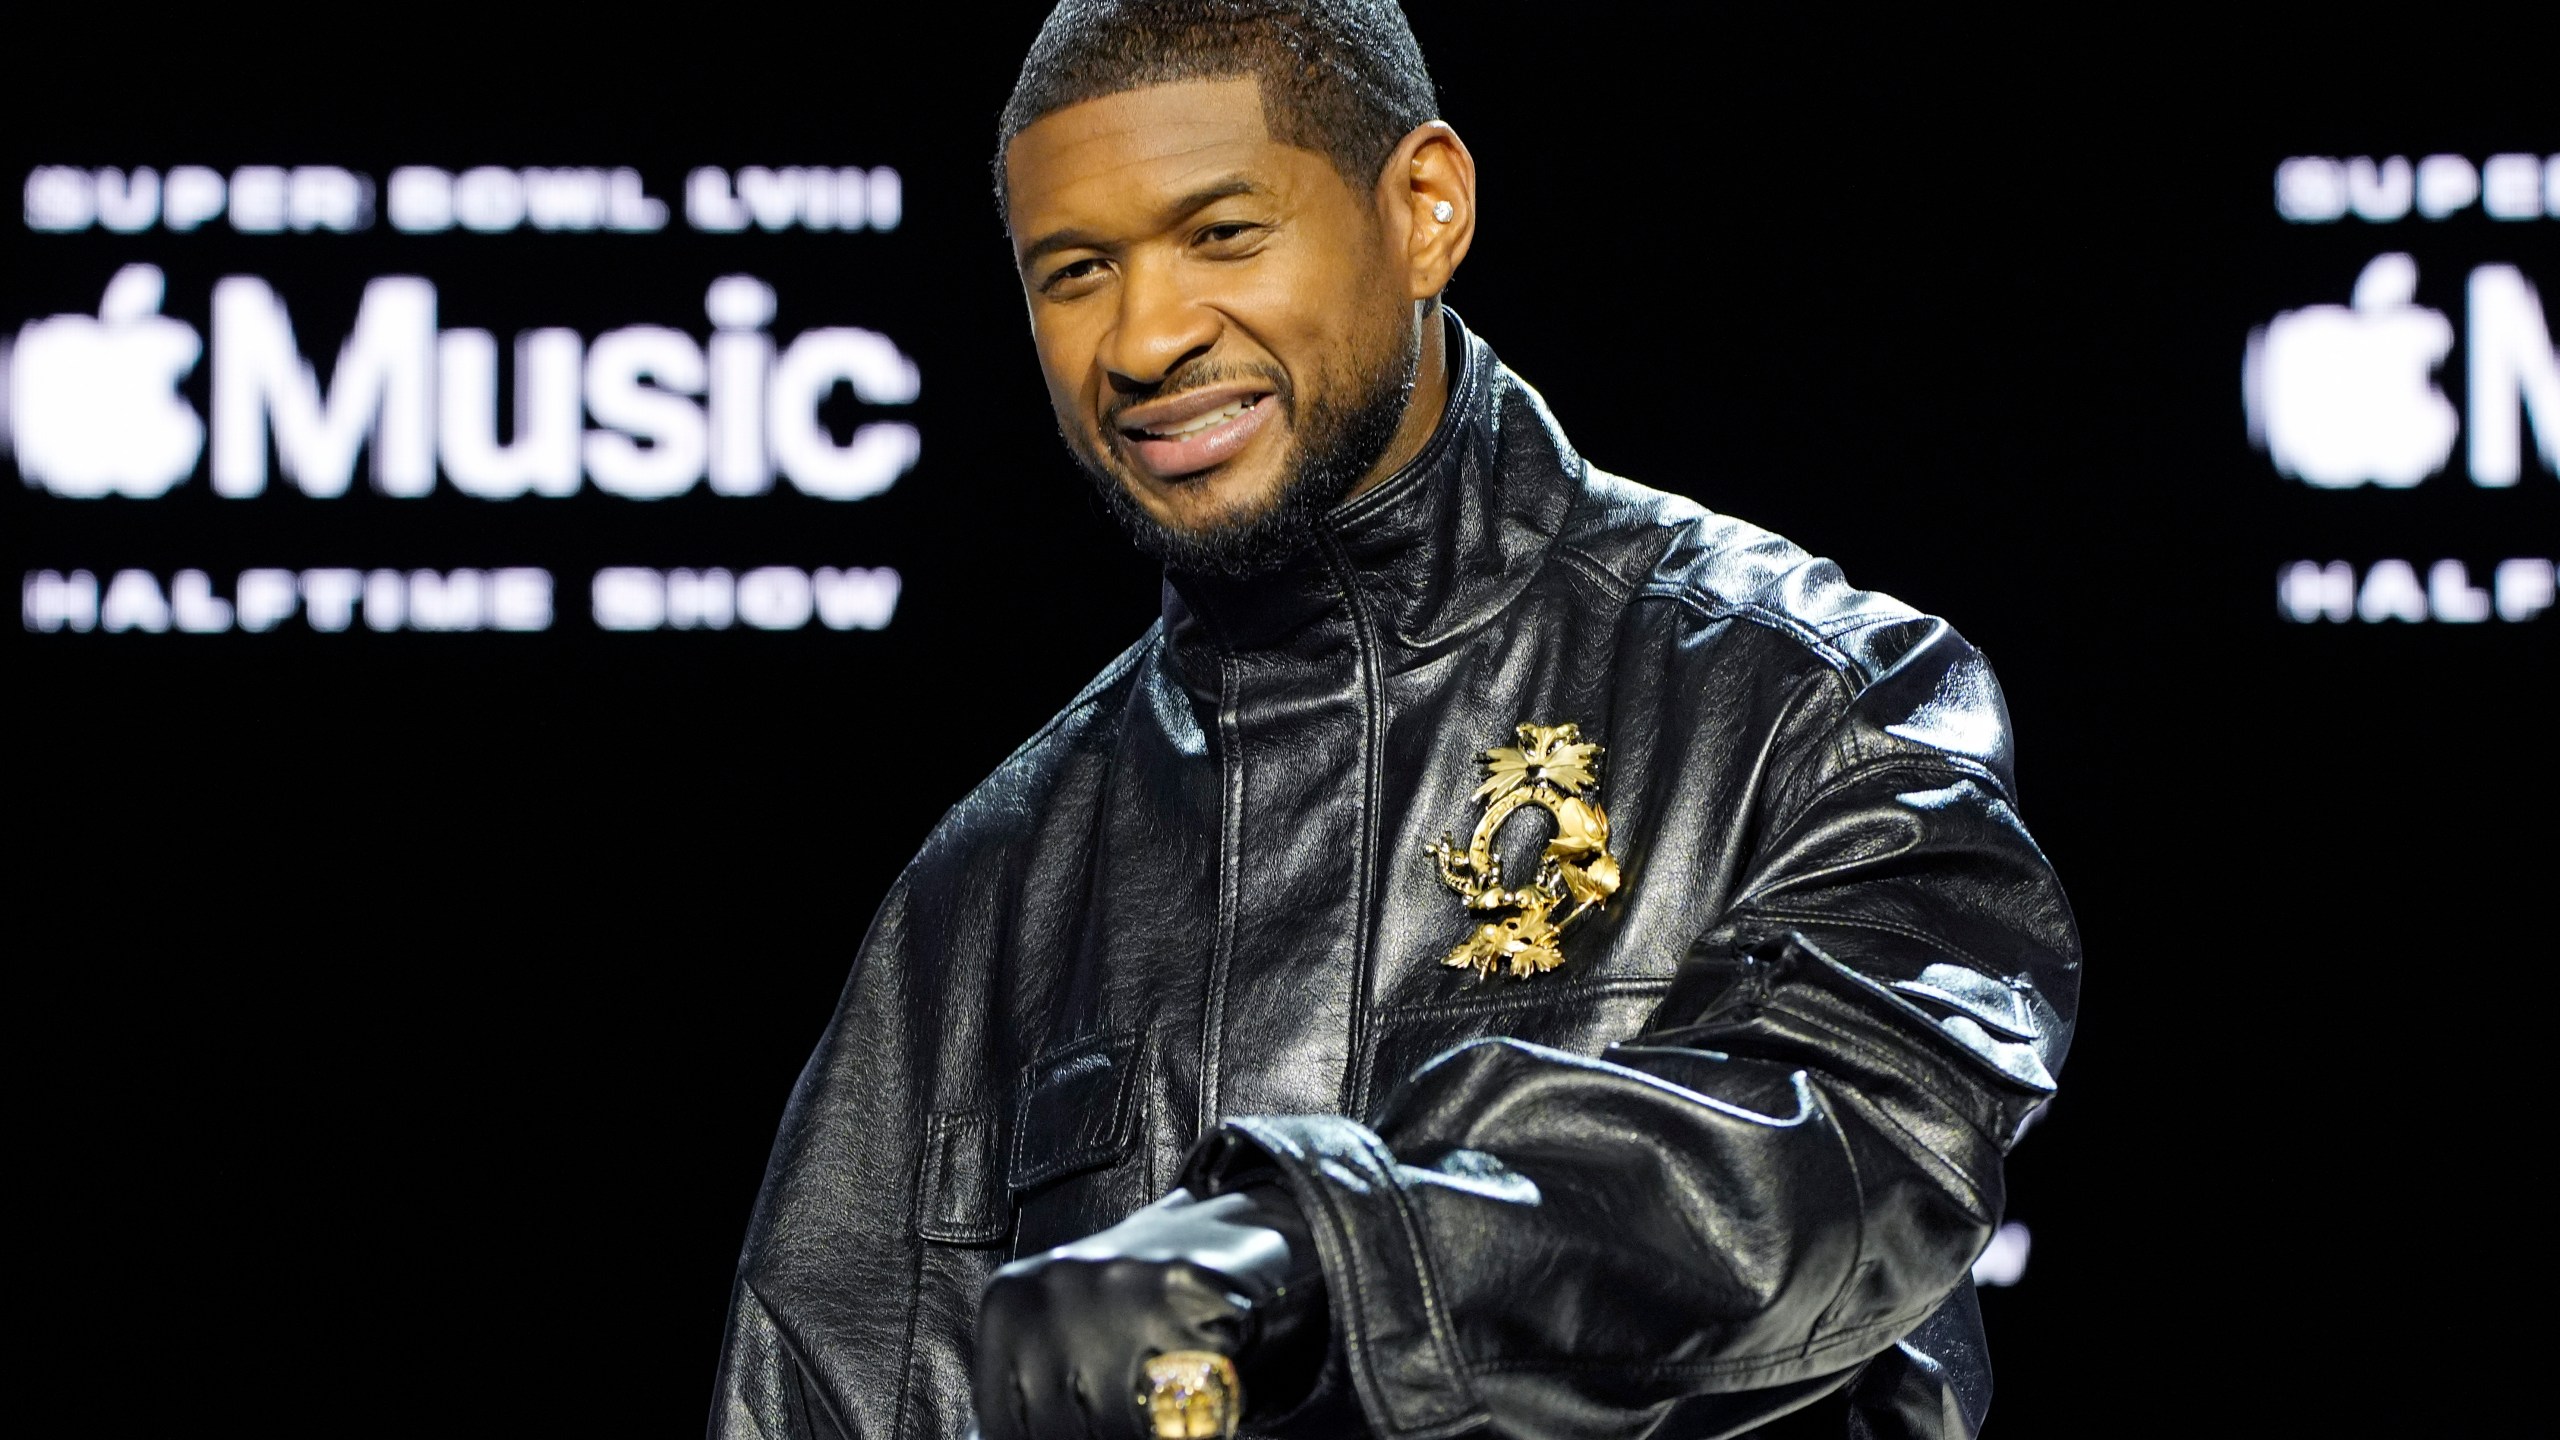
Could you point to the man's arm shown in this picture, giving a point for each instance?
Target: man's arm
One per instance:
(1795, 1163)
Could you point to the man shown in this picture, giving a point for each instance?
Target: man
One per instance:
(1510, 952)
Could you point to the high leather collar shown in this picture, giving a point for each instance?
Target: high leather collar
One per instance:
(1435, 551)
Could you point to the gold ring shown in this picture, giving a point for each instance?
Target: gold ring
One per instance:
(1191, 1395)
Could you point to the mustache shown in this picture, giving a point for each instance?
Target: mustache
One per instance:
(1200, 375)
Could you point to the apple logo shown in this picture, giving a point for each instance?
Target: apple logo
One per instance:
(2339, 395)
(94, 404)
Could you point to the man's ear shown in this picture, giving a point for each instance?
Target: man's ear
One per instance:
(1429, 176)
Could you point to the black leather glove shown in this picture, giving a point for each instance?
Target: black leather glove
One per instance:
(1061, 1335)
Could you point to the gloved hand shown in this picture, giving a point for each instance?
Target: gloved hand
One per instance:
(1061, 1335)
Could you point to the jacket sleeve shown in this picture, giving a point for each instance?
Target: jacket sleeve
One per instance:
(843, 1323)
(1794, 1164)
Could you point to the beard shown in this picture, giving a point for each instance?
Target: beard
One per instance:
(1337, 436)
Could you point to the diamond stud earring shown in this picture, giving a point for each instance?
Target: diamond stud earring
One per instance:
(1442, 211)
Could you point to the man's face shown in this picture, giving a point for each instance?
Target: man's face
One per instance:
(1222, 320)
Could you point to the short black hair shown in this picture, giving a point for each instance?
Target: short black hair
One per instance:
(1344, 78)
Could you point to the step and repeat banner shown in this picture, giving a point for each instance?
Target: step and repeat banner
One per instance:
(290, 356)
(658, 538)
(310, 341)
(2407, 389)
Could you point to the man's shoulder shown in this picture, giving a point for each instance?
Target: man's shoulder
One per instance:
(1902, 683)
(1017, 796)
(1650, 546)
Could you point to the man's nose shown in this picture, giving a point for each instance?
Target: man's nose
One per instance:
(1160, 328)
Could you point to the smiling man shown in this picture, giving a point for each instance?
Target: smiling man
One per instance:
(1510, 952)
(1230, 334)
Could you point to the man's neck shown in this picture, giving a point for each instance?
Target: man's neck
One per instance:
(1422, 412)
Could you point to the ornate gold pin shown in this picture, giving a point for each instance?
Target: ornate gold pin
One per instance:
(1550, 768)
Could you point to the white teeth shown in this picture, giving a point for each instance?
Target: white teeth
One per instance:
(1198, 423)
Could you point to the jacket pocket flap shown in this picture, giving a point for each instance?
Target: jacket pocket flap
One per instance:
(1999, 1007)
(1075, 1110)
(961, 1200)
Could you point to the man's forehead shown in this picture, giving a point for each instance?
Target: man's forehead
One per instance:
(1141, 146)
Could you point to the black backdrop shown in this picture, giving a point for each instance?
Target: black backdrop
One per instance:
(402, 1019)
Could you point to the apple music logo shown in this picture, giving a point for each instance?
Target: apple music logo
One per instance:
(94, 402)
(2344, 395)
(96, 411)
(164, 385)
(2347, 397)
(2004, 1260)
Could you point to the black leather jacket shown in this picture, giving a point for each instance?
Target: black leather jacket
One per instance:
(1708, 1172)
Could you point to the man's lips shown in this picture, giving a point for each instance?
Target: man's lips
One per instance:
(1188, 433)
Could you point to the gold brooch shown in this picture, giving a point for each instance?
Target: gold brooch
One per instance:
(1550, 768)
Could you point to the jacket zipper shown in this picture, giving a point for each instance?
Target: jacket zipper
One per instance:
(1213, 1009)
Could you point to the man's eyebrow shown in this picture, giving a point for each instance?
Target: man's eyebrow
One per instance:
(1057, 240)
(1214, 192)
(1205, 196)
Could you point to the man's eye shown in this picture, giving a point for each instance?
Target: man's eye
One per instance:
(1227, 232)
(1067, 276)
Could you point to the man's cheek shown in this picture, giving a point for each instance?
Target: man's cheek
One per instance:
(1064, 363)
(1075, 414)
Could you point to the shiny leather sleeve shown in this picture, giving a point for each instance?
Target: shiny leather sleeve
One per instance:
(847, 1321)
(884, 1209)
(818, 1315)
(1791, 1168)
